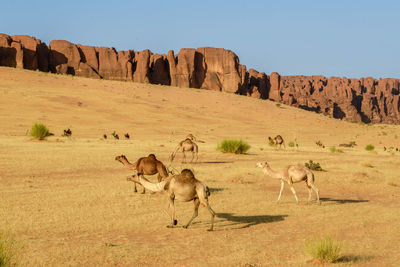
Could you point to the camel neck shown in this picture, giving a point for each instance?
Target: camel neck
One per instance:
(272, 173)
(155, 187)
(127, 164)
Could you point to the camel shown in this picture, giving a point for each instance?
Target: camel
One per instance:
(278, 140)
(292, 174)
(182, 187)
(149, 165)
(186, 145)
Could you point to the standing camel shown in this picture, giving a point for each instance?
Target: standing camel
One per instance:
(186, 145)
(182, 187)
(292, 174)
(147, 165)
(278, 140)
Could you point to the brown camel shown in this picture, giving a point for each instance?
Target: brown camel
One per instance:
(186, 145)
(292, 174)
(146, 165)
(182, 187)
(278, 140)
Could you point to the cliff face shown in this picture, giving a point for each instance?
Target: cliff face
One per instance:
(367, 99)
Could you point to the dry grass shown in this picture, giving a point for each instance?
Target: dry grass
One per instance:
(68, 202)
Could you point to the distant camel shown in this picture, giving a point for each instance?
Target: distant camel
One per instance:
(292, 174)
(278, 140)
(186, 145)
(146, 165)
(182, 187)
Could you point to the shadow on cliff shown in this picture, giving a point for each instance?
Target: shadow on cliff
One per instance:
(8, 57)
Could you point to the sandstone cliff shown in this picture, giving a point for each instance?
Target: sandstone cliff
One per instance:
(366, 99)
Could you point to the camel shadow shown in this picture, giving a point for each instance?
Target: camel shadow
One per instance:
(353, 258)
(213, 190)
(250, 220)
(343, 201)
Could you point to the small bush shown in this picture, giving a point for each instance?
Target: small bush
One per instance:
(333, 149)
(8, 250)
(369, 147)
(324, 249)
(291, 144)
(313, 165)
(271, 143)
(39, 131)
(352, 143)
(233, 146)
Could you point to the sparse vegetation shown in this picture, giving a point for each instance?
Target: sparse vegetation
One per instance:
(352, 143)
(369, 147)
(291, 144)
(324, 249)
(39, 131)
(315, 166)
(333, 149)
(8, 250)
(271, 143)
(233, 146)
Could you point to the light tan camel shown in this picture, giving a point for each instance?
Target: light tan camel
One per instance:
(186, 145)
(292, 174)
(182, 187)
(278, 140)
(149, 165)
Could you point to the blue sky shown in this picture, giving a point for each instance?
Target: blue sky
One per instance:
(350, 38)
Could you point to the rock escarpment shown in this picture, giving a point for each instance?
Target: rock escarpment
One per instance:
(365, 99)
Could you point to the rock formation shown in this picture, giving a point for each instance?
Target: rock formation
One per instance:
(365, 99)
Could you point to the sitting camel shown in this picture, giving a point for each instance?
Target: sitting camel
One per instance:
(186, 145)
(182, 187)
(292, 174)
(147, 165)
(278, 140)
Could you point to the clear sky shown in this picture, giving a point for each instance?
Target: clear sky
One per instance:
(351, 38)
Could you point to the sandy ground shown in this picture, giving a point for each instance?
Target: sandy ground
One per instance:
(67, 201)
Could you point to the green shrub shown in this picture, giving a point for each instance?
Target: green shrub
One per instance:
(233, 146)
(271, 143)
(324, 249)
(313, 165)
(369, 147)
(39, 131)
(8, 250)
(291, 144)
(333, 149)
(352, 143)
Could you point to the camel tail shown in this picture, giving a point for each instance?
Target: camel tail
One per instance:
(207, 190)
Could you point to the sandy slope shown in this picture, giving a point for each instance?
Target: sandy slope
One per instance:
(68, 203)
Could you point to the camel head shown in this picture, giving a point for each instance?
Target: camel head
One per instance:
(120, 158)
(191, 137)
(133, 178)
(262, 164)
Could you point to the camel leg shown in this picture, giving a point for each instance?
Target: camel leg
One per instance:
(192, 157)
(294, 193)
(144, 189)
(316, 192)
(280, 192)
(195, 213)
(135, 187)
(212, 216)
(171, 204)
(309, 194)
(184, 157)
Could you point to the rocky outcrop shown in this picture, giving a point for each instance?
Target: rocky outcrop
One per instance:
(366, 99)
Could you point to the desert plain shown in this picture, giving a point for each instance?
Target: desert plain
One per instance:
(66, 201)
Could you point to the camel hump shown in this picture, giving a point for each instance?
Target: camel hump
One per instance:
(152, 156)
(186, 176)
